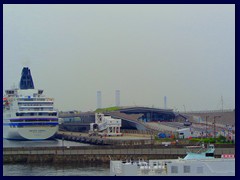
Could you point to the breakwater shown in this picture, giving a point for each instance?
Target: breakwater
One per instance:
(101, 154)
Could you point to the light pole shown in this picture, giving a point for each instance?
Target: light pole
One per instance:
(206, 125)
(184, 108)
(214, 123)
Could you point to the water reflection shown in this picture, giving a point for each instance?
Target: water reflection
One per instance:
(44, 143)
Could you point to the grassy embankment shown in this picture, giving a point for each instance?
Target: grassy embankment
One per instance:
(109, 109)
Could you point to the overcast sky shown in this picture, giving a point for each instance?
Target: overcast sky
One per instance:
(184, 52)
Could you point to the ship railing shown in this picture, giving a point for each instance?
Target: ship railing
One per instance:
(44, 110)
(34, 105)
(35, 99)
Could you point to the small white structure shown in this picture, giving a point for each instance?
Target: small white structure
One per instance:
(233, 137)
(184, 133)
(60, 120)
(106, 125)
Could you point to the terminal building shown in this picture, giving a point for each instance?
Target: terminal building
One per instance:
(132, 118)
(150, 114)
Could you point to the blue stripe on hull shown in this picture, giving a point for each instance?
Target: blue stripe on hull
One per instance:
(30, 124)
(32, 119)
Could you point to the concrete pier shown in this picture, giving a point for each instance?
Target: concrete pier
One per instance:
(102, 140)
(95, 153)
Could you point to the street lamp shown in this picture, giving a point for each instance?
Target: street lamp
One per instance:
(214, 123)
(206, 125)
(184, 108)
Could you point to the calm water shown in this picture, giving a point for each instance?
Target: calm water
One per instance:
(45, 143)
(55, 170)
(51, 169)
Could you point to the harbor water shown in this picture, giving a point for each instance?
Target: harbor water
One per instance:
(45, 143)
(55, 170)
(36, 169)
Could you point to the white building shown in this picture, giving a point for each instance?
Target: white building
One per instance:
(184, 133)
(106, 125)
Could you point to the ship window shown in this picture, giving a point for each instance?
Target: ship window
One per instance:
(186, 169)
(199, 170)
(10, 92)
(54, 114)
(16, 120)
(43, 114)
(209, 154)
(174, 169)
(40, 91)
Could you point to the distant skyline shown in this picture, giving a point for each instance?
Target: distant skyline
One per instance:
(184, 52)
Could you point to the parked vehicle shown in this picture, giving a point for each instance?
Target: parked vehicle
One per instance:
(187, 123)
(162, 135)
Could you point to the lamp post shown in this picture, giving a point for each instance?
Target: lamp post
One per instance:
(214, 123)
(184, 108)
(206, 125)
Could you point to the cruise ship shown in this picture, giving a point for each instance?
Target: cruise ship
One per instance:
(200, 163)
(27, 113)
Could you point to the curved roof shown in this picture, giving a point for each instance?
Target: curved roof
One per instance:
(146, 109)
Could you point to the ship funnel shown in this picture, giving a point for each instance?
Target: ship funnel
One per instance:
(26, 81)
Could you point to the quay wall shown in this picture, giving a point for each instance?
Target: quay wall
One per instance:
(95, 154)
(96, 140)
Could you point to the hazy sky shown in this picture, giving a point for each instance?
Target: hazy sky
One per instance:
(184, 52)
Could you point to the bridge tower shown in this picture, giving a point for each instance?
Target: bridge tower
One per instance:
(165, 102)
(117, 98)
(99, 99)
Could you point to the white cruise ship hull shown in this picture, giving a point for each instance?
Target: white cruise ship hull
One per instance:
(29, 133)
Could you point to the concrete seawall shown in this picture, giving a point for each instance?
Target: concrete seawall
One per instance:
(95, 154)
